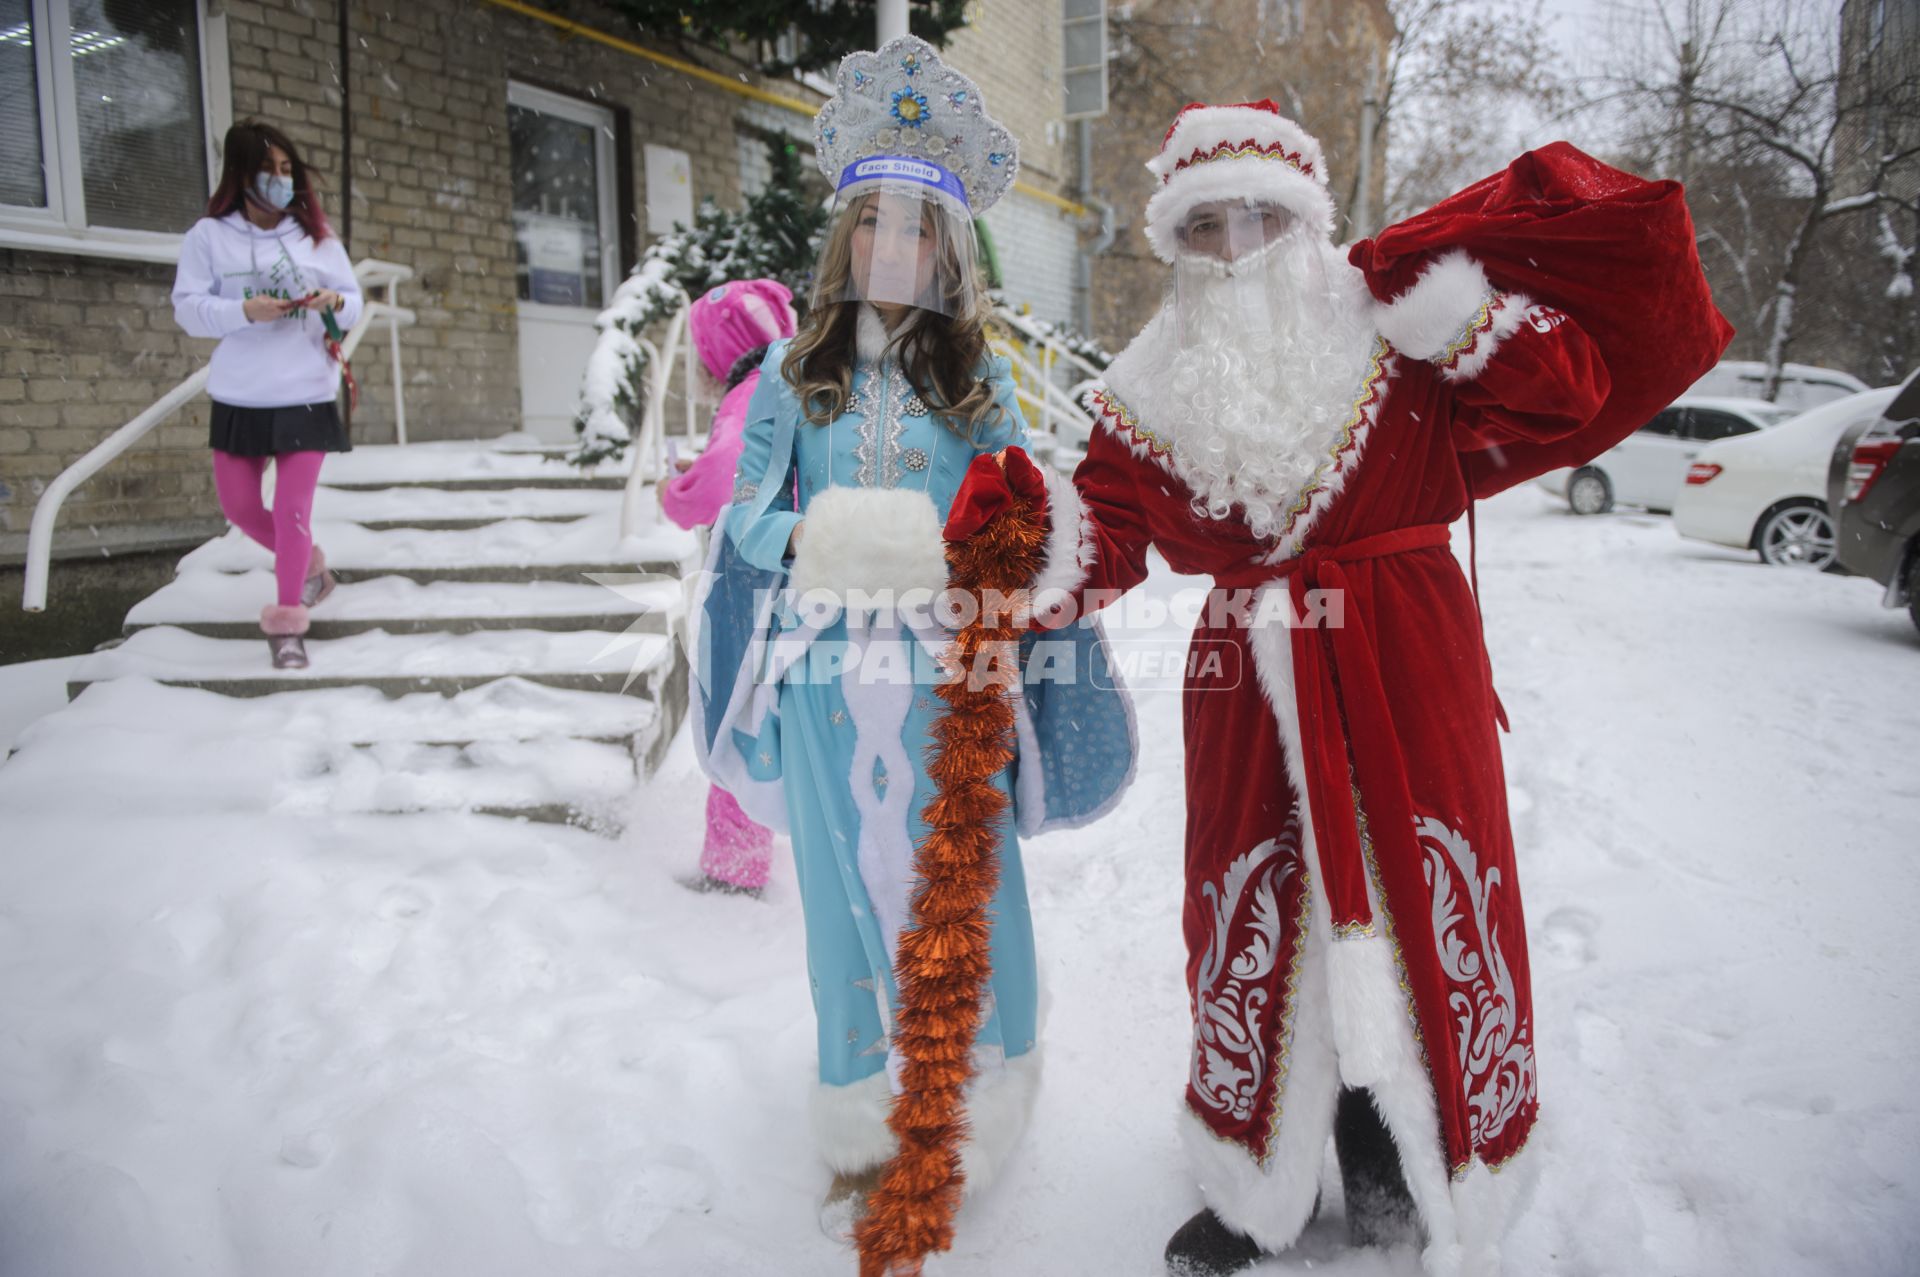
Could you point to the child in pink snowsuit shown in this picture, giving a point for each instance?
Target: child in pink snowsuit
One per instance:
(732, 326)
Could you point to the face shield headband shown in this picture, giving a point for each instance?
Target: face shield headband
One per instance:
(900, 235)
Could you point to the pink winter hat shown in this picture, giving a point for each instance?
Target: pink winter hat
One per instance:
(733, 318)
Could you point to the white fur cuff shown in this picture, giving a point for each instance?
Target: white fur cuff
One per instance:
(876, 541)
(1434, 314)
(1071, 546)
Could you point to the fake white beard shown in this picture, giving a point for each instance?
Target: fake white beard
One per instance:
(1248, 372)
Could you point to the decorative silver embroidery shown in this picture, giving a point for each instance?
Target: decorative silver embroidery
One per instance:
(1230, 1053)
(883, 403)
(745, 490)
(914, 459)
(1496, 1049)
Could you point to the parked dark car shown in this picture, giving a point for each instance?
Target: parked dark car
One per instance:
(1873, 481)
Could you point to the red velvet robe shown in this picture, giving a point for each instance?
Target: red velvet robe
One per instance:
(1364, 759)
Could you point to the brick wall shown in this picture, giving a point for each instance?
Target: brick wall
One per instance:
(1309, 56)
(86, 343)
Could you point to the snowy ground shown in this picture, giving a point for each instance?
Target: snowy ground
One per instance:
(241, 1038)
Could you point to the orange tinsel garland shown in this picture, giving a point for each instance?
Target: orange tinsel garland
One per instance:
(944, 959)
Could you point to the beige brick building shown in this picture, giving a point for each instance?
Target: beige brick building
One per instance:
(517, 166)
(1312, 57)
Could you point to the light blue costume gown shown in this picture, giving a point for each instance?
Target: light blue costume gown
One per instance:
(840, 763)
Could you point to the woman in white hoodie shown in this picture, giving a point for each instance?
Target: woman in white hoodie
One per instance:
(258, 272)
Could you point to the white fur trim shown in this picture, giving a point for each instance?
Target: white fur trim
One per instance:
(1205, 127)
(1487, 1201)
(870, 335)
(1508, 316)
(850, 1123)
(1423, 321)
(1239, 179)
(1371, 397)
(870, 540)
(998, 1105)
(1370, 1014)
(1072, 547)
(1271, 1202)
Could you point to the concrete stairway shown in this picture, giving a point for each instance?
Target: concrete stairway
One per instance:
(493, 647)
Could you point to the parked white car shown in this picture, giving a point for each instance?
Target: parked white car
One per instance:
(1649, 466)
(1802, 386)
(1767, 492)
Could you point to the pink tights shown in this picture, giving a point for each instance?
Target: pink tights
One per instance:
(287, 529)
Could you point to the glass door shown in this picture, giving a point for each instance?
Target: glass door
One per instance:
(566, 258)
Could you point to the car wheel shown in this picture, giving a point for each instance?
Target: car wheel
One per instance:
(1589, 491)
(1913, 586)
(1796, 535)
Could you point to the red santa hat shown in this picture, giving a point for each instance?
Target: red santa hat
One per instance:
(1246, 150)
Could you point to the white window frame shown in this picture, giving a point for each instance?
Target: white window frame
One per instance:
(606, 176)
(61, 226)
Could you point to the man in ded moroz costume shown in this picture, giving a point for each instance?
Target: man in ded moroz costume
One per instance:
(1303, 425)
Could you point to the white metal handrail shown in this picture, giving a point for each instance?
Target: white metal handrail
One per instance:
(649, 449)
(371, 273)
(1056, 348)
(1053, 404)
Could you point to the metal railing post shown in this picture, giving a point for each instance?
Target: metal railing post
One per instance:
(399, 381)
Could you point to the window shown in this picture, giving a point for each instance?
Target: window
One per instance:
(563, 198)
(1709, 425)
(1668, 422)
(104, 139)
(1083, 48)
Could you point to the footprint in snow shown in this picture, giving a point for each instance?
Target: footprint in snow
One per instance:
(1567, 937)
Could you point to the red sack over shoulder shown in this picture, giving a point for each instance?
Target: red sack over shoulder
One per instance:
(1615, 252)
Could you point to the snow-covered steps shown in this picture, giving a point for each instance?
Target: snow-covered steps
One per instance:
(440, 509)
(511, 748)
(513, 550)
(648, 665)
(494, 646)
(227, 605)
(464, 466)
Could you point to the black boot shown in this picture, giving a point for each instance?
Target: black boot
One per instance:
(1380, 1210)
(1206, 1247)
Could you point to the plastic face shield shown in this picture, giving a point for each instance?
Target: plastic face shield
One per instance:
(899, 235)
(1221, 281)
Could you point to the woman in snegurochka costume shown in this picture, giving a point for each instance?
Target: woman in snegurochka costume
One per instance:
(258, 272)
(820, 721)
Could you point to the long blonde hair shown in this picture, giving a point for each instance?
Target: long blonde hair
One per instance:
(940, 354)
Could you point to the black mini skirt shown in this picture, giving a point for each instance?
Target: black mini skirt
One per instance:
(262, 432)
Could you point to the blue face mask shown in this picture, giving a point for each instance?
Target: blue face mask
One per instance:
(276, 190)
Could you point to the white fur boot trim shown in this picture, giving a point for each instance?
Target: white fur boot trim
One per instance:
(850, 1123)
(882, 543)
(998, 1105)
(1272, 1202)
